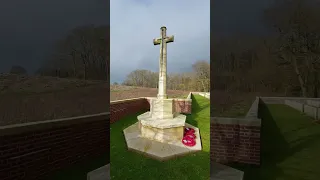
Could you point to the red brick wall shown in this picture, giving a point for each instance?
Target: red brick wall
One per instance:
(120, 109)
(235, 143)
(32, 151)
(181, 105)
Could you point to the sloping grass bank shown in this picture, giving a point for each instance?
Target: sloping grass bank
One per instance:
(290, 146)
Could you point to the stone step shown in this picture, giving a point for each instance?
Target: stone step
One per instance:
(218, 172)
(223, 172)
(102, 173)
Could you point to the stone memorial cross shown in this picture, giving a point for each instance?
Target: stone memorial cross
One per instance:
(162, 41)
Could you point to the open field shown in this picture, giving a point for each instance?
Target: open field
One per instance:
(34, 98)
(290, 146)
(192, 166)
(233, 104)
(28, 99)
(127, 92)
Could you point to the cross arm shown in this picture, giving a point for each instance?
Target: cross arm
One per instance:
(168, 39)
(156, 41)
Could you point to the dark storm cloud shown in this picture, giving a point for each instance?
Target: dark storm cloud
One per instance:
(28, 29)
(233, 16)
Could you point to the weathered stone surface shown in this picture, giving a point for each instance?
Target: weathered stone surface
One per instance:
(163, 135)
(146, 119)
(161, 108)
(294, 104)
(102, 173)
(162, 41)
(311, 111)
(158, 150)
(222, 172)
(313, 103)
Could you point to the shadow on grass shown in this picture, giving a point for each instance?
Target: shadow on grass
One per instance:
(79, 170)
(289, 146)
(131, 165)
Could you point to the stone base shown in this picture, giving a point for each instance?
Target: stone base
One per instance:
(102, 173)
(147, 120)
(162, 130)
(161, 108)
(159, 150)
(223, 172)
(162, 135)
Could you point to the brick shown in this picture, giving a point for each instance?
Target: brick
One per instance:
(61, 147)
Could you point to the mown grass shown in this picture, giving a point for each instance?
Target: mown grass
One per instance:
(290, 146)
(130, 165)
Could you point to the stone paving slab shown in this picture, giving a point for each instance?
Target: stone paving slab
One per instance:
(158, 150)
(223, 172)
(102, 173)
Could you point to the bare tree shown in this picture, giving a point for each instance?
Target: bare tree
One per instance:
(202, 71)
(83, 53)
(298, 43)
(18, 70)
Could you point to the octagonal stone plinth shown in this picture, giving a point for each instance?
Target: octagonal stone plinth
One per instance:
(159, 150)
(165, 135)
(163, 130)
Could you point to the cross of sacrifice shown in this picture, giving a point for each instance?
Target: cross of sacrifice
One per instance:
(162, 41)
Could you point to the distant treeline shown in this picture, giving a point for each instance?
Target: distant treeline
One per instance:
(197, 80)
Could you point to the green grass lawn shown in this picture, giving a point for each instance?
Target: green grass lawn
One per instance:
(290, 147)
(131, 165)
(79, 171)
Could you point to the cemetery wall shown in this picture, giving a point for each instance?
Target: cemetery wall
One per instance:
(253, 111)
(32, 150)
(235, 140)
(205, 94)
(238, 139)
(123, 108)
(313, 103)
(180, 105)
(281, 100)
(309, 106)
(310, 110)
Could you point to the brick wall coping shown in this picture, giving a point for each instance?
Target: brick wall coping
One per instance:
(100, 173)
(134, 99)
(189, 95)
(236, 121)
(290, 98)
(126, 100)
(48, 124)
(176, 99)
(303, 103)
(198, 93)
(253, 111)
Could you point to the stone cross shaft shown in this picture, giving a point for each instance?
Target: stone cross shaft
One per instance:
(162, 41)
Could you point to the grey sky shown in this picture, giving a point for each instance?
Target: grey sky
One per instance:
(134, 24)
(30, 28)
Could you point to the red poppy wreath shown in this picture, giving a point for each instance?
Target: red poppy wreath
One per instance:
(189, 138)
